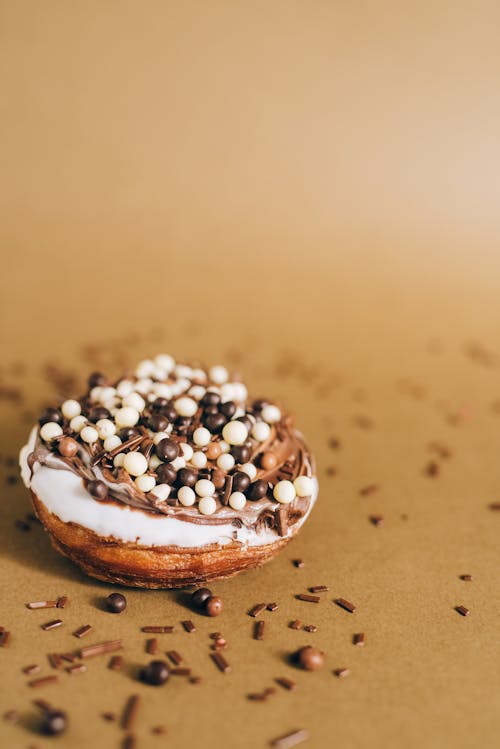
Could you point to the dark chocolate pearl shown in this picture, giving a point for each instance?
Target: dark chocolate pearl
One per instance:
(156, 673)
(210, 410)
(68, 447)
(258, 405)
(170, 413)
(98, 412)
(241, 481)
(116, 603)
(187, 477)
(159, 404)
(183, 422)
(241, 453)
(166, 474)
(200, 596)
(213, 606)
(97, 379)
(310, 658)
(257, 490)
(54, 722)
(158, 422)
(167, 449)
(214, 422)
(246, 421)
(50, 414)
(98, 489)
(210, 399)
(228, 409)
(128, 432)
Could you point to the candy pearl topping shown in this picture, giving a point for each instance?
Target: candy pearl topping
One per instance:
(207, 505)
(185, 406)
(71, 408)
(67, 447)
(166, 362)
(186, 496)
(204, 488)
(225, 461)
(284, 492)
(303, 486)
(126, 417)
(145, 482)
(199, 460)
(77, 423)
(89, 435)
(134, 400)
(118, 460)
(144, 368)
(250, 470)
(201, 437)
(111, 442)
(235, 432)
(135, 463)
(50, 430)
(218, 374)
(237, 500)
(271, 414)
(106, 428)
(187, 451)
(161, 492)
(261, 431)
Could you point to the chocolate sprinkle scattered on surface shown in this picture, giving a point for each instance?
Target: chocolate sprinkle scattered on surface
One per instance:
(288, 740)
(62, 602)
(341, 673)
(347, 605)
(32, 670)
(180, 671)
(78, 668)
(41, 605)
(175, 657)
(310, 628)
(463, 610)
(109, 716)
(259, 630)
(130, 712)
(432, 469)
(43, 681)
(299, 563)
(101, 648)
(189, 626)
(129, 741)
(319, 589)
(307, 597)
(495, 506)
(272, 606)
(52, 624)
(365, 491)
(4, 638)
(296, 624)
(286, 683)
(220, 662)
(115, 662)
(359, 639)
(257, 609)
(167, 629)
(82, 631)
(152, 646)
(467, 578)
(159, 730)
(376, 520)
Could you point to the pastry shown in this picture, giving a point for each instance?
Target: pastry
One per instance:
(168, 477)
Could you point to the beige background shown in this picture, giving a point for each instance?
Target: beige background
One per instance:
(309, 192)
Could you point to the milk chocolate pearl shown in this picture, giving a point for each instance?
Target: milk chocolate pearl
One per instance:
(228, 409)
(210, 399)
(213, 606)
(213, 451)
(98, 489)
(54, 722)
(241, 481)
(50, 414)
(97, 379)
(214, 422)
(68, 447)
(200, 596)
(257, 490)
(156, 673)
(241, 453)
(310, 658)
(116, 603)
(268, 461)
(158, 422)
(166, 474)
(167, 450)
(218, 478)
(98, 412)
(187, 477)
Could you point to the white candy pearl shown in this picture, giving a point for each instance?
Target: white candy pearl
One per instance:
(144, 385)
(199, 459)
(250, 470)
(165, 362)
(95, 393)
(161, 492)
(225, 461)
(159, 373)
(126, 417)
(77, 423)
(106, 428)
(50, 430)
(181, 385)
(218, 375)
(135, 401)
(303, 486)
(186, 496)
(144, 368)
(145, 483)
(135, 464)
(70, 409)
(199, 375)
(201, 437)
(227, 392)
(237, 500)
(111, 442)
(185, 406)
(207, 505)
(271, 414)
(187, 451)
(118, 460)
(154, 462)
(261, 431)
(284, 492)
(159, 436)
(162, 390)
(181, 370)
(204, 488)
(240, 393)
(89, 435)
(235, 432)
(224, 446)
(178, 463)
(124, 387)
(197, 392)
(107, 393)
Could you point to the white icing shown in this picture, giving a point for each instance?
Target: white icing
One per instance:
(63, 494)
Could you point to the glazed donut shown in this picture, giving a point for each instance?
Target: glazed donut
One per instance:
(168, 477)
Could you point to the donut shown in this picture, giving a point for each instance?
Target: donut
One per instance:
(169, 476)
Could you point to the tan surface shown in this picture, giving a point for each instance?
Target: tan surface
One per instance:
(254, 181)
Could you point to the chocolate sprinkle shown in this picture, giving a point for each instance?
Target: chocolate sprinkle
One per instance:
(347, 605)
(130, 712)
(259, 630)
(467, 578)
(359, 639)
(83, 631)
(175, 657)
(272, 606)
(319, 589)
(257, 609)
(152, 646)
(341, 673)
(158, 630)
(463, 610)
(41, 605)
(188, 625)
(115, 663)
(286, 683)
(296, 624)
(101, 648)
(308, 598)
(220, 662)
(52, 624)
(288, 740)
(299, 563)
(43, 680)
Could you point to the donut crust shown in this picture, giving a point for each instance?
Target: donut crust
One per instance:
(125, 563)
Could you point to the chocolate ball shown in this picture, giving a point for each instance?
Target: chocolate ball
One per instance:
(116, 603)
(182, 422)
(158, 422)
(68, 447)
(214, 422)
(127, 433)
(246, 421)
(54, 722)
(187, 477)
(50, 414)
(97, 379)
(166, 474)
(241, 453)
(268, 461)
(159, 404)
(200, 596)
(241, 481)
(258, 405)
(213, 451)
(98, 489)
(156, 673)
(210, 399)
(310, 658)
(228, 409)
(257, 490)
(167, 450)
(98, 412)
(218, 478)
(213, 606)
